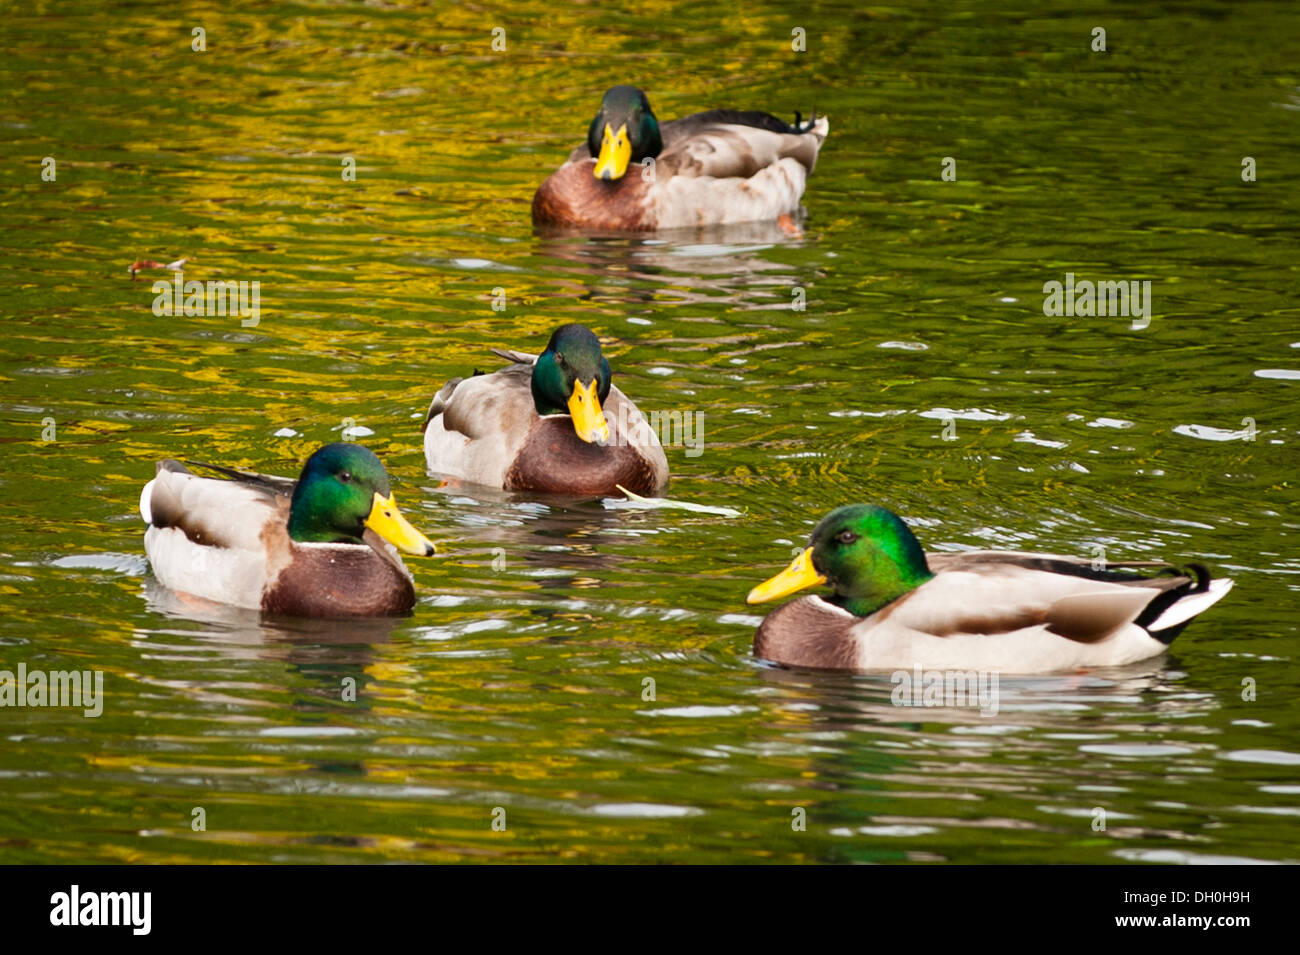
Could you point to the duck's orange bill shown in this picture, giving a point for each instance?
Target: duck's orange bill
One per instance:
(615, 153)
(387, 521)
(797, 576)
(588, 420)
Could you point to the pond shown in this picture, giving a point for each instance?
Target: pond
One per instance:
(576, 681)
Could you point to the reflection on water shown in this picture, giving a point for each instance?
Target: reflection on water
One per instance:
(719, 264)
(585, 665)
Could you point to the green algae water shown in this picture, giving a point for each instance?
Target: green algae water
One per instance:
(580, 671)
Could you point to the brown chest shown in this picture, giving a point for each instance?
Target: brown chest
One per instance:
(807, 633)
(555, 460)
(331, 581)
(572, 196)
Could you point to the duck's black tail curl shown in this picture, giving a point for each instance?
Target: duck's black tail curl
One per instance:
(1151, 613)
(800, 127)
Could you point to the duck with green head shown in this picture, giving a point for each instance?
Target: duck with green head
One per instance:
(719, 167)
(572, 376)
(892, 606)
(325, 545)
(553, 422)
(624, 132)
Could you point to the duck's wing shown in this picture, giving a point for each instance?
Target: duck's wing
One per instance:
(719, 173)
(231, 514)
(723, 144)
(475, 426)
(988, 592)
(487, 404)
(216, 539)
(1180, 592)
(442, 400)
(1057, 563)
(1008, 614)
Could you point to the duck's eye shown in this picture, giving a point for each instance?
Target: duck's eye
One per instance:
(846, 537)
(345, 476)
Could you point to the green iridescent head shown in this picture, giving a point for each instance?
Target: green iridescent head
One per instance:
(572, 377)
(865, 553)
(342, 491)
(625, 131)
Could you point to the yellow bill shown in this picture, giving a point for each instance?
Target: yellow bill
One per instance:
(387, 521)
(588, 420)
(615, 153)
(800, 574)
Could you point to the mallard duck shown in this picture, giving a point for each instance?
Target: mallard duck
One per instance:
(895, 607)
(713, 168)
(551, 422)
(314, 547)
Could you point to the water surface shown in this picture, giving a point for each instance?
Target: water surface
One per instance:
(519, 682)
